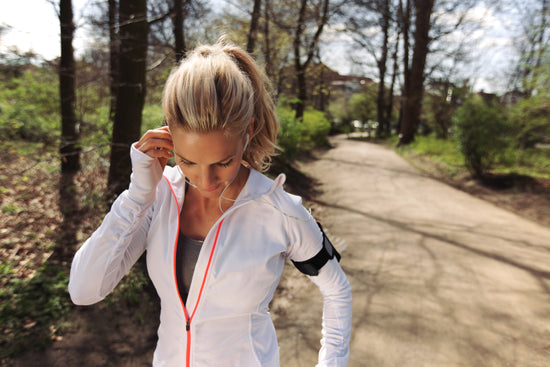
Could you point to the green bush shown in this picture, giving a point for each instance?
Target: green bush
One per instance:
(315, 129)
(290, 131)
(481, 130)
(530, 119)
(29, 106)
(296, 136)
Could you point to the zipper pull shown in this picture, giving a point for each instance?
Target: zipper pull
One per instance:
(187, 325)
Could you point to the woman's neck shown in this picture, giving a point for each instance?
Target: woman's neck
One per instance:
(227, 197)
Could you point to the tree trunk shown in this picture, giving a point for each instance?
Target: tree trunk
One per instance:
(540, 42)
(413, 101)
(251, 44)
(131, 93)
(69, 149)
(114, 46)
(299, 65)
(381, 98)
(389, 105)
(179, 36)
(267, 43)
(405, 16)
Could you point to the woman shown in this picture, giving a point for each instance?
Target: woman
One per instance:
(217, 231)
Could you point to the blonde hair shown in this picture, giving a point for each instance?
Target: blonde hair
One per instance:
(220, 87)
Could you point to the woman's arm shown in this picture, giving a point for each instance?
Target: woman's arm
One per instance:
(314, 255)
(118, 243)
(336, 332)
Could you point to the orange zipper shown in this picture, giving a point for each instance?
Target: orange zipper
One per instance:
(188, 318)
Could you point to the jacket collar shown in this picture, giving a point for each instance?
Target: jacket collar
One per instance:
(259, 185)
(256, 185)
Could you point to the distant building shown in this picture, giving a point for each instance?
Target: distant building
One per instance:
(321, 82)
(512, 97)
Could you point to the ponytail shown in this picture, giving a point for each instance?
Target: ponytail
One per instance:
(221, 87)
(263, 141)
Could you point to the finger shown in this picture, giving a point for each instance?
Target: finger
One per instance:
(154, 140)
(157, 151)
(158, 144)
(160, 133)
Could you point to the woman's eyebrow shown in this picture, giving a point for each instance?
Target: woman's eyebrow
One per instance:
(191, 162)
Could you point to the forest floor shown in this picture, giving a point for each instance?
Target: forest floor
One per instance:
(122, 330)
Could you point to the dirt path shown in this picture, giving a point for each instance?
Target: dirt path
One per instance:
(439, 277)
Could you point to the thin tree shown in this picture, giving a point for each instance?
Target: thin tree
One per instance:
(114, 46)
(364, 17)
(267, 43)
(69, 149)
(395, 71)
(178, 17)
(254, 25)
(381, 98)
(405, 24)
(414, 93)
(131, 91)
(301, 62)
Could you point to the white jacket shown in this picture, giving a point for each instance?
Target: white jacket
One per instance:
(237, 272)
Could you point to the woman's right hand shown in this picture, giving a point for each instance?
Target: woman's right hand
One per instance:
(157, 143)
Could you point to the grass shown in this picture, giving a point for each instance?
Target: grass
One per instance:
(443, 154)
(534, 162)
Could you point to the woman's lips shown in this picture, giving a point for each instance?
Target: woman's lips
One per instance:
(212, 188)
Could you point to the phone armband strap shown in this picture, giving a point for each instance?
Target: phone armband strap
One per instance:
(313, 265)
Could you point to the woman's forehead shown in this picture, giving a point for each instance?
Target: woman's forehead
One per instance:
(210, 147)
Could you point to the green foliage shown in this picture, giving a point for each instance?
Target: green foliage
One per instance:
(534, 162)
(152, 117)
(297, 136)
(480, 133)
(343, 110)
(29, 106)
(363, 106)
(315, 129)
(96, 130)
(442, 150)
(445, 153)
(339, 111)
(290, 132)
(32, 310)
(530, 118)
(440, 103)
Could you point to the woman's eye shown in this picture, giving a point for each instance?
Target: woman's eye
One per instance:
(185, 163)
(226, 164)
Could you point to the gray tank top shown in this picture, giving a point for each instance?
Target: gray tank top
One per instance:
(187, 254)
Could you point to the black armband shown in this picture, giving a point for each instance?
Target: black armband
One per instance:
(313, 265)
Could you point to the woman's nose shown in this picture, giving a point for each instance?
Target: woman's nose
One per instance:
(208, 178)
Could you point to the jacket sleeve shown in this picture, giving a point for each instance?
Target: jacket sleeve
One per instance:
(306, 241)
(118, 243)
(336, 332)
